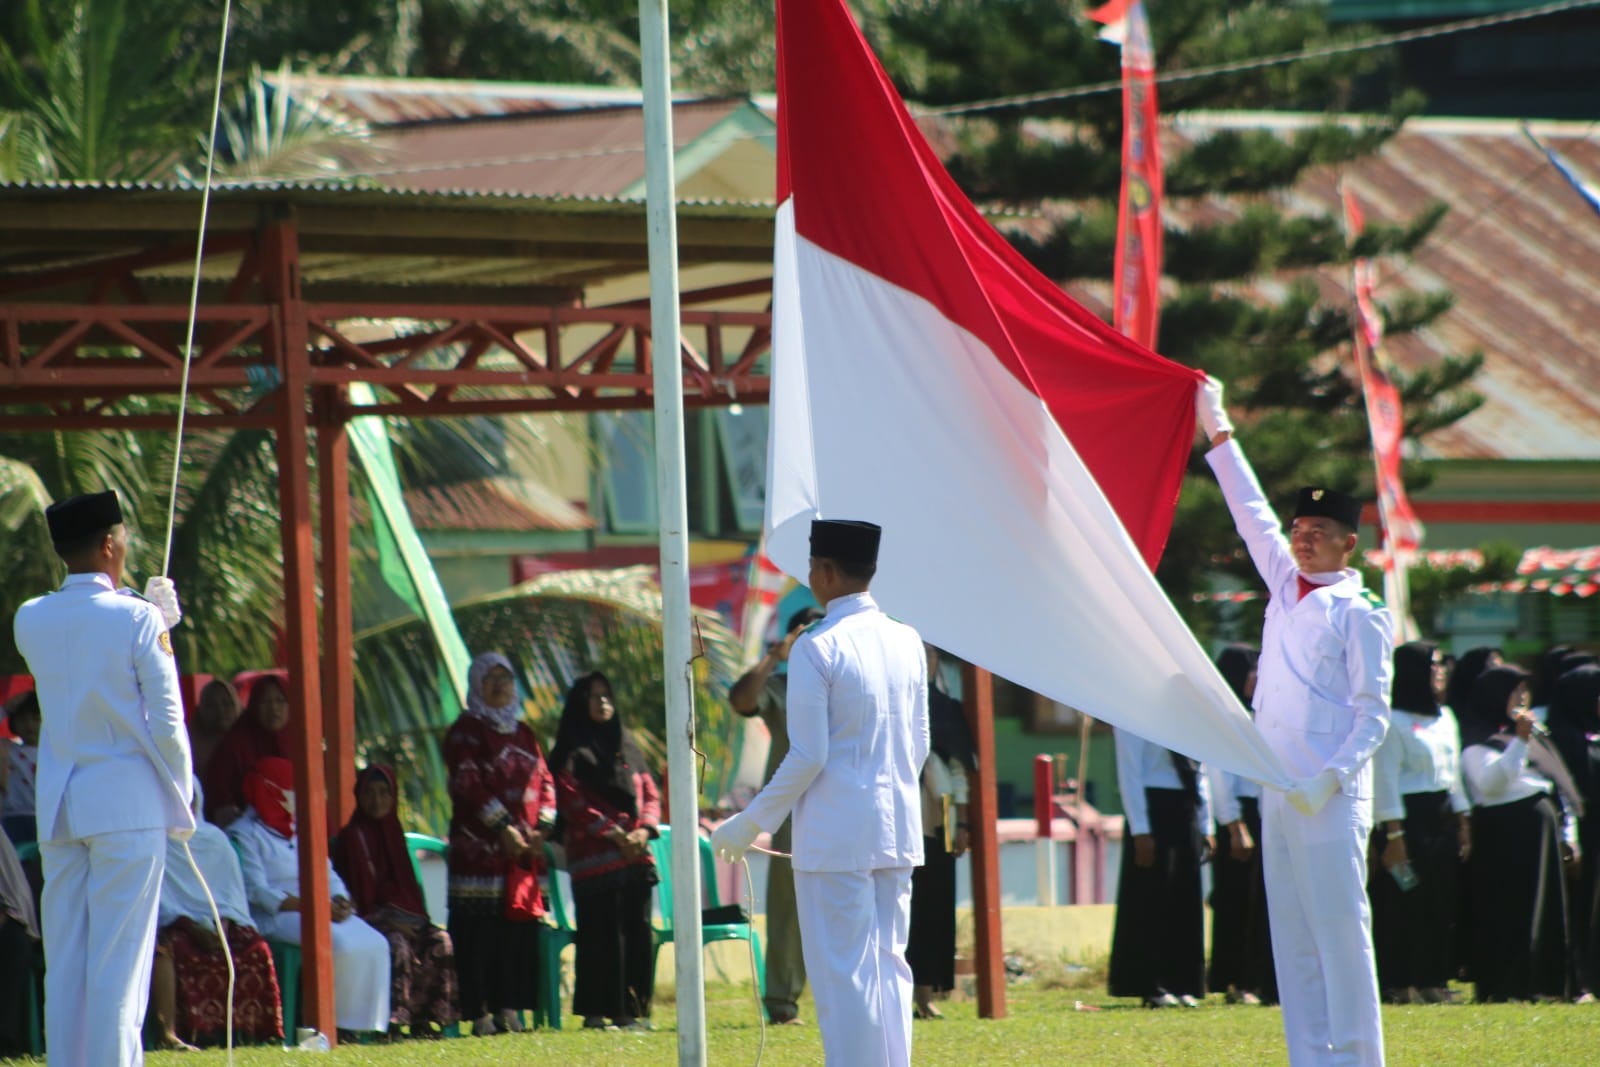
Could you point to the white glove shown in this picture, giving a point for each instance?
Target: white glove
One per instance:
(733, 838)
(1208, 406)
(164, 595)
(1311, 795)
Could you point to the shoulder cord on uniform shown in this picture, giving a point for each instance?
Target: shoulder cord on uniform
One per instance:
(177, 456)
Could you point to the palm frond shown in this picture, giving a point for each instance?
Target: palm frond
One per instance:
(553, 628)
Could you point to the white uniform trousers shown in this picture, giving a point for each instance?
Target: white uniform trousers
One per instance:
(360, 969)
(1316, 874)
(853, 930)
(99, 906)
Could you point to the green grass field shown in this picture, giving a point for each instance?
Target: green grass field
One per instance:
(1043, 1027)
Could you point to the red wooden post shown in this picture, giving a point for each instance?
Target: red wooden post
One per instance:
(281, 279)
(977, 689)
(1044, 799)
(338, 655)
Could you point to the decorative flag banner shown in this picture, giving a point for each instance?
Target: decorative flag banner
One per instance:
(1022, 456)
(1586, 189)
(764, 587)
(1386, 423)
(1137, 300)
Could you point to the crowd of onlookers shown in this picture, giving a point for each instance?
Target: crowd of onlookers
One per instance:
(1484, 865)
(396, 973)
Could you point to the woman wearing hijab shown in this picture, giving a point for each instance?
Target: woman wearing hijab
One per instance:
(611, 809)
(189, 984)
(503, 807)
(265, 838)
(1519, 934)
(215, 714)
(1422, 831)
(931, 945)
(1241, 940)
(372, 858)
(258, 733)
(1574, 719)
(1464, 674)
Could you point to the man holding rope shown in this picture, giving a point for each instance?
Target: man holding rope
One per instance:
(858, 736)
(115, 778)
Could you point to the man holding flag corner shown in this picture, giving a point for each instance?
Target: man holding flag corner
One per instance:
(1322, 704)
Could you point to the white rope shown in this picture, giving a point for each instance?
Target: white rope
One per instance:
(194, 289)
(222, 935)
(177, 457)
(750, 943)
(1262, 62)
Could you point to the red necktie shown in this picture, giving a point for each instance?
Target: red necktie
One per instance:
(1305, 586)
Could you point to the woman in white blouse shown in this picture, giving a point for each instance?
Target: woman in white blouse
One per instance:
(265, 838)
(1521, 836)
(1422, 830)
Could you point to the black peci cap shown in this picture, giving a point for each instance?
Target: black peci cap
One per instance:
(845, 540)
(82, 516)
(1317, 502)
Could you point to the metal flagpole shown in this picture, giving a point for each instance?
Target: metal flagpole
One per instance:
(682, 773)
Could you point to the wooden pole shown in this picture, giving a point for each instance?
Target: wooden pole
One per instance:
(338, 654)
(977, 688)
(281, 279)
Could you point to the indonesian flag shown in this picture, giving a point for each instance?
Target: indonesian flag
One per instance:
(1022, 456)
(1137, 299)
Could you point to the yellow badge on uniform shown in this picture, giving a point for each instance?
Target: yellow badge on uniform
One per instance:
(165, 641)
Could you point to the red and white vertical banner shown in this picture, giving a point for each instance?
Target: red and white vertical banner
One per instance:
(1139, 236)
(764, 587)
(1385, 419)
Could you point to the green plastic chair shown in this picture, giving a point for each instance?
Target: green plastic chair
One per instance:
(416, 846)
(26, 852)
(552, 939)
(661, 847)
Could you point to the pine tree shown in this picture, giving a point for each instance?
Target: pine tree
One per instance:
(1286, 363)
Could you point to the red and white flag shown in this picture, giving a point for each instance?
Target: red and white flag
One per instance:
(1023, 457)
(1137, 301)
(764, 587)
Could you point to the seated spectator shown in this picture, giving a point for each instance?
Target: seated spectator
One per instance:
(265, 837)
(214, 715)
(372, 858)
(258, 733)
(189, 985)
(611, 808)
(21, 769)
(19, 951)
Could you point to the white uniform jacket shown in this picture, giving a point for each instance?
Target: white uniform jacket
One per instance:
(858, 736)
(113, 751)
(1322, 694)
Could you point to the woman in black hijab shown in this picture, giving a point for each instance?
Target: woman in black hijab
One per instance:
(611, 809)
(1241, 941)
(1574, 720)
(1468, 666)
(931, 945)
(1422, 831)
(1519, 904)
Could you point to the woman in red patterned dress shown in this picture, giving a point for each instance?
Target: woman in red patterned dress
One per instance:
(503, 803)
(610, 808)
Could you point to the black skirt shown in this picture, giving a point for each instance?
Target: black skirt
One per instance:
(614, 951)
(1241, 939)
(1519, 902)
(931, 946)
(497, 961)
(1158, 942)
(1413, 931)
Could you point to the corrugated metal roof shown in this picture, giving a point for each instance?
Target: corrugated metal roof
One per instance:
(389, 101)
(502, 505)
(585, 153)
(1520, 251)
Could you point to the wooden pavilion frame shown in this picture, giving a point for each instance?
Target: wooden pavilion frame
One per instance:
(447, 304)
